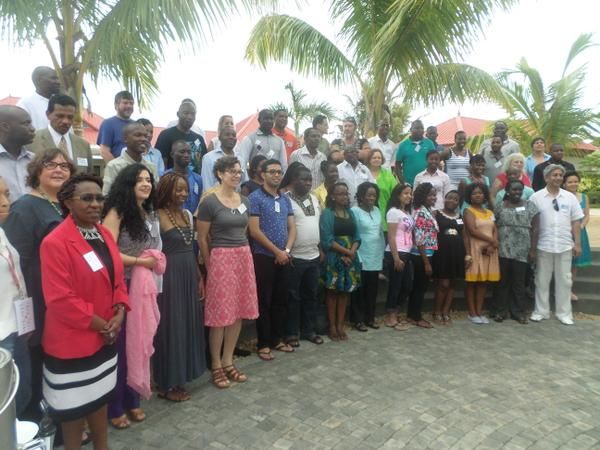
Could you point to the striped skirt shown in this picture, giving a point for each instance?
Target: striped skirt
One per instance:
(77, 387)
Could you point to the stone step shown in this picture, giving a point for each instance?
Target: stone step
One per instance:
(593, 270)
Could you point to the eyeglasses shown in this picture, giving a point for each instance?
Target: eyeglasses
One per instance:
(274, 172)
(89, 198)
(51, 165)
(234, 172)
(555, 205)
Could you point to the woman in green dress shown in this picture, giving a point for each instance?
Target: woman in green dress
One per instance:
(385, 179)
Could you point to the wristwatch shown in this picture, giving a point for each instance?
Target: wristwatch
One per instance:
(287, 250)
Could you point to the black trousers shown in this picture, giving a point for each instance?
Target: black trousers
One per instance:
(420, 285)
(272, 286)
(399, 283)
(363, 303)
(509, 295)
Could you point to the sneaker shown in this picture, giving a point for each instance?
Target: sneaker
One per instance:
(567, 321)
(535, 317)
(484, 320)
(475, 319)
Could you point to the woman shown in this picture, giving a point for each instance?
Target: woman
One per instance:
(457, 160)
(131, 218)
(31, 218)
(571, 184)
(340, 241)
(476, 175)
(370, 255)
(86, 298)
(481, 244)
(386, 181)
(515, 161)
(255, 178)
(397, 253)
(425, 244)
(330, 176)
(538, 155)
(230, 286)
(224, 122)
(448, 262)
(179, 340)
(517, 222)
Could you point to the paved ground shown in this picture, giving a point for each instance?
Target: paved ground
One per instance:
(463, 386)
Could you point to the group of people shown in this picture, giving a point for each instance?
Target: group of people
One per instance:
(148, 274)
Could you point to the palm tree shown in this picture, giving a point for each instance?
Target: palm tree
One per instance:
(403, 50)
(299, 111)
(552, 111)
(121, 40)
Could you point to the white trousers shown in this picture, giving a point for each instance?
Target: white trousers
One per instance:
(558, 264)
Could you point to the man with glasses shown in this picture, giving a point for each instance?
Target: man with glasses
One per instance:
(558, 242)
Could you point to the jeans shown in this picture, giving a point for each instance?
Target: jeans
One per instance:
(558, 264)
(400, 283)
(417, 295)
(17, 346)
(303, 297)
(364, 302)
(509, 294)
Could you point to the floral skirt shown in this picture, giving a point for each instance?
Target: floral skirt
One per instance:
(338, 276)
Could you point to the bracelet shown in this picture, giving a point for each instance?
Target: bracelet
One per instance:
(468, 258)
(135, 263)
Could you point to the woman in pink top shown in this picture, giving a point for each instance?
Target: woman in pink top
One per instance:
(397, 253)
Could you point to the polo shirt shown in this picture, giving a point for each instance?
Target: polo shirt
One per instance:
(273, 213)
(14, 171)
(258, 143)
(306, 245)
(555, 226)
(387, 147)
(354, 177)
(36, 105)
(413, 156)
(441, 183)
(111, 134)
(194, 190)
(312, 163)
(115, 166)
(289, 139)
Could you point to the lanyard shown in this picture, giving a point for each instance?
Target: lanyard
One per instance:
(5, 253)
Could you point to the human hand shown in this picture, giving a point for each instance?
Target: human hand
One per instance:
(428, 270)
(148, 262)
(282, 258)
(201, 290)
(576, 250)
(398, 264)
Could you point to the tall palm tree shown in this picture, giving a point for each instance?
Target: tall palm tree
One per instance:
(552, 111)
(405, 50)
(121, 40)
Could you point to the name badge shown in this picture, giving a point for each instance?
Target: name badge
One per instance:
(197, 142)
(242, 208)
(196, 189)
(277, 207)
(459, 221)
(270, 153)
(257, 142)
(24, 315)
(498, 164)
(520, 209)
(417, 148)
(93, 261)
(83, 162)
(306, 202)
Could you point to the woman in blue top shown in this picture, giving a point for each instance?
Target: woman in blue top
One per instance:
(538, 155)
(370, 255)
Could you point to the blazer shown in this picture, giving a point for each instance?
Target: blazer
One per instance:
(82, 153)
(73, 292)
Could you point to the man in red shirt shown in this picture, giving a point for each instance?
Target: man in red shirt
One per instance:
(279, 129)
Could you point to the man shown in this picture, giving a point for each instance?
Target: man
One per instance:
(349, 127)
(195, 128)
(181, 154)
(494, 158)
(135, 138)
(310, 156)
(411, 154)
(228, 139)
(16, 132)
(183, 131)
(321, 123)
(432, 174)
(557, 152)
(304, 276)
(558, 242)
(263, 142)
(281, 121)
(153, 154)
(273, 230)
(353, 172)
(46, 83)
(110, 135)
(508, 145)
(60, 114)
(383, 143)
(432, 134)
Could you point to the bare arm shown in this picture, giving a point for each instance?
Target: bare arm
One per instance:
(576, 231)
(256, 233)
(291, 224)
(106, 153)
(535, 232)
(112, 221)
(202, 228)
(496, 187)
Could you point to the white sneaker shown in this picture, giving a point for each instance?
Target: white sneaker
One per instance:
(484, 320)
(475, 319)
(535, 317)
(567, 321)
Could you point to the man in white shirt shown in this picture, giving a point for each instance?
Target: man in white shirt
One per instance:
(46, 84)
(310, 156)
(383, 143)
(353, 172)
(558, 242)
(433, 175)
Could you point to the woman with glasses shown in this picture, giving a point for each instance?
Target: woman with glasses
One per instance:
(86, 299)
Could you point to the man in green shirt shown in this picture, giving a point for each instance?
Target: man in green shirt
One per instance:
(411, 154)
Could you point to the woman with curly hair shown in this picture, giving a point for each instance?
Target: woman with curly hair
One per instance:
(129, 215)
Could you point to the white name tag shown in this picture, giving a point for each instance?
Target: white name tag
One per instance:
(93, 261)
(242, 208)
(498, 164)
(24, 315)
(197, 142)
(270, 153)
(459, 221)
(520, 209)
(277, 207)
(417, 148)
(83, 162)
(196, 189)
(306, 202)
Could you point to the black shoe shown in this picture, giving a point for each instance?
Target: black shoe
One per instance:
(373, 325)
(360, 327)
(240, 352)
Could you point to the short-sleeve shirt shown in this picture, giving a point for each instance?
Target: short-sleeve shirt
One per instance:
(227, 226)
(370, 252)
(14, 171)
(387, 147)
(441, 183)
(514, 228)
(425, 231)
(413, 156)
(307, 213)
(111, 134)
(196, 142)
(273, 213)
(404, 231)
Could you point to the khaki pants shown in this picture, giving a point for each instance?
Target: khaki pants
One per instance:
(558, 264)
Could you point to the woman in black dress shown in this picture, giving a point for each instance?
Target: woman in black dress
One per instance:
(448, 263)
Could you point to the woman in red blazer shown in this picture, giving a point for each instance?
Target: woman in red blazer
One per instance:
(86, 298)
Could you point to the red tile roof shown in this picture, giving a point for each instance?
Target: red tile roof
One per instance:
(469, 125)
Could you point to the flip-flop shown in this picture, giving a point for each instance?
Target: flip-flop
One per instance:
(136, 414)
(120, 423)
(285, 348)
(293, 342)
(400, 326)
(265, 355)
(316, 339)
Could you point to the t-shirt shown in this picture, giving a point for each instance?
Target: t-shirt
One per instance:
(404, 236)
(413, 156)
(514, 227)
(273, 215)
(197, 144)
(227, 226)
(306, 245)
(370, 252)
(111, 134)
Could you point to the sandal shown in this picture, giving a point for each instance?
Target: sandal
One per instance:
(265, 354)
(219, 378)
(315, 339)
(285, 348)
(233, 374)
(423, 324)
(333, 335)
(86, 438)
(293, 342)
(402, 326)
(176, 396)
(136, 414)
(360, 327)
(120, 423)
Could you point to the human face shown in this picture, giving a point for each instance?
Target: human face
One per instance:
(266, 122)
(136, 139)
(18, 128)
(48, 83)
(478, 168)
(557, 152)
(460, 140)
(149, 133)
(332, 174)
(571, 184)
(376, 160)
(500, 128)
(364, 153)
(124, 108)
(513, 174)
(181, 192)
(406, 196)
(432, 133)
(351, 155)
(143, 186)
(228, 122)
(231, 177)
(518, 164)
(370, 198)
(555, 178)
(181, 154)
(431, 198)
(496, 143)
(334, 148)
(336, 156)
(313, 138)
(228, 138)
(383, 130)
(281, 120)
(451, 201)
(515, 192)
(61, 118)
(323, 127)
(4, 201)
(416, 131)
(539, 146)
(341, 197)
(349, 129)
(477, 197)
(272, 175)
(186, 115)
(433, 162)
(86, 212)
(303, 184)
(52, 179)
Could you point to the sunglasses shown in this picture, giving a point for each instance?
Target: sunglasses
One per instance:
(555, 205)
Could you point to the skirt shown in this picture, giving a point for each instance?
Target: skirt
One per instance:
(230, 287)
(338, 276)
(77, 387)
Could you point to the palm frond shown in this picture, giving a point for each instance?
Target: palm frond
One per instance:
(582, 43)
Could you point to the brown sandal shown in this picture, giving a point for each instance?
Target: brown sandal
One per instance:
(233, 374)
(136, 414)
(120, 423)
(174, 395)
(219, 378)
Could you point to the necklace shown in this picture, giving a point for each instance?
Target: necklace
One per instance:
(90, 234)
(43, 194)
(187, 223)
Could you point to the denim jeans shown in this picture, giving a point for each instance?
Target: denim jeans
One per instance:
(17, 346)
(303, 298)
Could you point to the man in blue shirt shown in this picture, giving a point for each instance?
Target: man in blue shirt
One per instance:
(228, 139)
(110, 135)
(181, 153)
(152, 154)
(273, 231)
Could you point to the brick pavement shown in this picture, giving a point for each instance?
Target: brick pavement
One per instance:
(463, 386)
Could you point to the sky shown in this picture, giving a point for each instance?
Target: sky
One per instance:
(221, 81)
